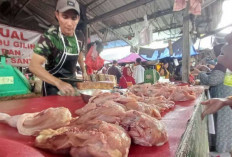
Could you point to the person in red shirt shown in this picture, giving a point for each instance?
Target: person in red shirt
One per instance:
(126, 79)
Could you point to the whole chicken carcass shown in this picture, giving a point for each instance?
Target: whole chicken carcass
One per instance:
(95, 138)
(110, 112)
(143, 129)
(32, 123)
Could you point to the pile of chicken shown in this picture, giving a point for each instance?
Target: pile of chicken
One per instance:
(106, 125)
(148, 92)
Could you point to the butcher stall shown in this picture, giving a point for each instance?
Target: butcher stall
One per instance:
(186, 134)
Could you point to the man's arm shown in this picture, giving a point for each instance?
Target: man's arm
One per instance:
(36, 67)
(82, 65)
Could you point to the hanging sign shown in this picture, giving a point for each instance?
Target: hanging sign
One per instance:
(17, 44)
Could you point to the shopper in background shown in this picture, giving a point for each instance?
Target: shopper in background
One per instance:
(123, 65)
(113, 70)
(126, 80)
(59, 49)
(105, 69)
(138, 72)
(164, 70)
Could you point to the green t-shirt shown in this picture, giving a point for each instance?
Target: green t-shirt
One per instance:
(51, 47)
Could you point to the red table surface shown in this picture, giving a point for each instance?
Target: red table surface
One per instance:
(175, 122)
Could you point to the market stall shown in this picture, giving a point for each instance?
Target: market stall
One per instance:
(187, 135)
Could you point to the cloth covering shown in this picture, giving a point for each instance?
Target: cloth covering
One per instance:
(195, 6)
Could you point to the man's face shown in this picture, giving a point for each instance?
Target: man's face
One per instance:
(68, 21)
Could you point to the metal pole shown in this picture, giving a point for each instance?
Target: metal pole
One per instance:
(186, 45)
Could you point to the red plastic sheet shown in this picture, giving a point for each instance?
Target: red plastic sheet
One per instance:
(175, 121)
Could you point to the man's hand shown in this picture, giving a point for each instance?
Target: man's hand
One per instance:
(65, 88)
(213, 105)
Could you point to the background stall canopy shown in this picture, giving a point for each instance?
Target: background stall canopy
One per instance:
(156, 54)
(115, 53)
(131, 58)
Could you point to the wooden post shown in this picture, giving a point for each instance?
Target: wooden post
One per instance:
(186, 45)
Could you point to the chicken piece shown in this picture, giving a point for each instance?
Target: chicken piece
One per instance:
(110, 112)
(131, 104)
(143, 129)
(95, 138)
(183, 93)
(103, 97)
(32, 123)
(140, 90)
(160, 102)
(133, 96)
(127, 103)
(169, 91)
(88, 107)
(198, 90)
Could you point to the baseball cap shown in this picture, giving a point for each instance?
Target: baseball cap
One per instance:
(64, 5)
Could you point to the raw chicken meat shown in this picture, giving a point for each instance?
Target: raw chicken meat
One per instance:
(169, 91)
(131, 104)
(128, 103)
(140, 89)
(160, 102)
(103, 97)
(32, 123)
(94, 138)
(183, 95)
(143, 129)
(110, 112)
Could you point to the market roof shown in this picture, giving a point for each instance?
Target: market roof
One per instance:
(112, 19)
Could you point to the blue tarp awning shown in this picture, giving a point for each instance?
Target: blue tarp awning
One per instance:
(156, 54)
(116, 43)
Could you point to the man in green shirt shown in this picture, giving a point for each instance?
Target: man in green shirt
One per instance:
(60, 50)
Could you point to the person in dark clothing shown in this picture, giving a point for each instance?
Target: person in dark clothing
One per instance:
(113, 70)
